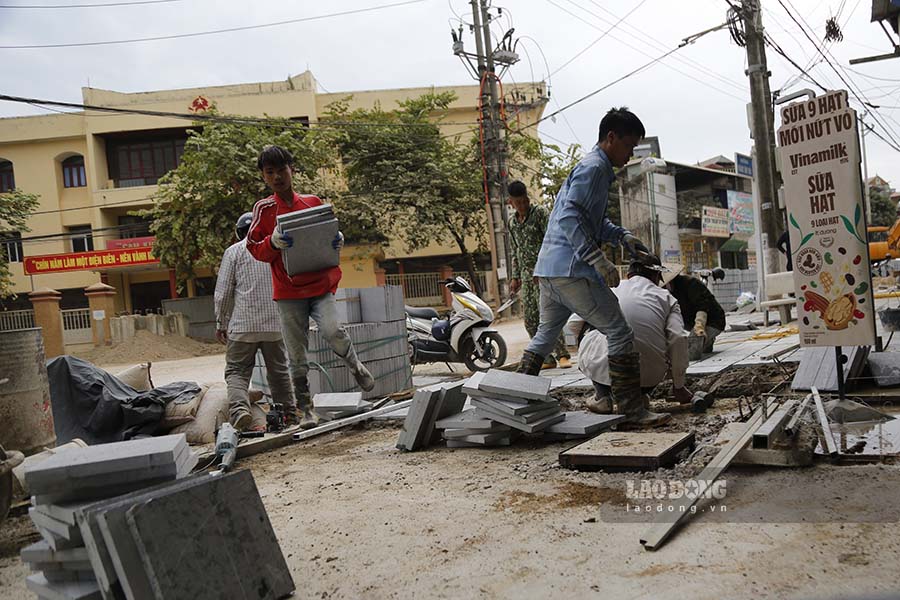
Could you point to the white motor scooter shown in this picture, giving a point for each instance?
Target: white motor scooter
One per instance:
(464, 336)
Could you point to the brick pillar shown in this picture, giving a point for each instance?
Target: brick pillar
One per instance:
(47, 316)
(102, 300)
(380, 279)
(446, 272)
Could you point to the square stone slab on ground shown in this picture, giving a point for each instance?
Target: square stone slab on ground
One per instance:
(336, 402)
(584, 423)
(627, 451)
(532, 417)
(41, 552)
(514, 408)
(237, 558)
(464, 444)
(450, 434)
(62, 590)
(483, 438)
(93, 463)
(517, 385)
(62, 529)
(467, 419)
(530, 427)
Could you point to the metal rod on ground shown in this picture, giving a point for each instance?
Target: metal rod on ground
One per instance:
(791, 427)
(331, 426)
(839, 359)
(827, 435)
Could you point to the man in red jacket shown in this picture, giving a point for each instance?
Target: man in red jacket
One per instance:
(304, 295)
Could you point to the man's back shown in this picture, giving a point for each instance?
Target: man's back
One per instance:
(243, 296)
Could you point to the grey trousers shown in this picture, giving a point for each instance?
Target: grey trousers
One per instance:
(295, 315)
(240, 358)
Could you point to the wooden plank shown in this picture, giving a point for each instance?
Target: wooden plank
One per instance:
(623, 450)
(657, 535)
(772, 429)
(794, 422)
(827, 435)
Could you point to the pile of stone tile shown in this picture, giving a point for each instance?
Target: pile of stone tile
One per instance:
(340, 405)
(505, 405)
(429, 405)
(313, 231)
(127, 520)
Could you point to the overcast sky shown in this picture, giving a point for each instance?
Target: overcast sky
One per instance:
(694, 100)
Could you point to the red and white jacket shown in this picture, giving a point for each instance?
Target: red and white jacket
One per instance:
(302, 285)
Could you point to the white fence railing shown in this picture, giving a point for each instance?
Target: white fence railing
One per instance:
(16, 319)
(76, 326)
(426, 289)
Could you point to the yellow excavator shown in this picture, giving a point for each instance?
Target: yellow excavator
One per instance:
(884, 242)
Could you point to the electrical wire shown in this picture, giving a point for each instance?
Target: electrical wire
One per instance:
(212, 32)
(100, 5)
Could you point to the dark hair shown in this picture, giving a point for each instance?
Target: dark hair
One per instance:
(622, 122)
(274, 156)
(517, 189)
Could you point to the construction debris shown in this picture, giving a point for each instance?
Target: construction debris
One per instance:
(118, 511)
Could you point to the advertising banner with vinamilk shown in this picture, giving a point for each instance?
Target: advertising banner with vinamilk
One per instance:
(819, 149)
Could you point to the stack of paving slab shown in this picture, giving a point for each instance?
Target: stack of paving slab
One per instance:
(127, 521)
(380, 341)
(313, 231)
(340, 405)
(430, 405)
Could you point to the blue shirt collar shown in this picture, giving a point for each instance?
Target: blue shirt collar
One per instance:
(605, 160)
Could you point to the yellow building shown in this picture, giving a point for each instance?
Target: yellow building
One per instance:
(91, 169)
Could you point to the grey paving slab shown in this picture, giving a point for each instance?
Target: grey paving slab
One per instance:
(515, 408)
(532, 387)
(471, 384)
(64, 512)
(68, 590)
(60, 528)
(527, 427)
(461, 433)
(237, 559)
(41, 552)
(466, 419)
(98, 493)
(103, 568)
(382, 303)
(312, 250)
(584, 423)
(484, 438)
(58, 542)
(464, 444)
(104, 459)
(337, 401)
(73, 565)
(62, 575)
(412, 435)
(526, 418)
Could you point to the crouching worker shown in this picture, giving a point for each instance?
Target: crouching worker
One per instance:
(702, 312)
(659, 337)
(247, 321)
(305, 295)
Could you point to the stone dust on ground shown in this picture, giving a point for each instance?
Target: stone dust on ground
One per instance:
(146, 346)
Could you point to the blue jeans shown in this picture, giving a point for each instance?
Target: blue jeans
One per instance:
(295, 315)
(591, 300)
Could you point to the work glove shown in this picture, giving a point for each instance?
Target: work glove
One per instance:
(633, 245)
(280, 240)
(700, 324)
(338, 242)
(607, 270)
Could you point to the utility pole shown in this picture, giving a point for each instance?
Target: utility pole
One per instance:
(486, 58)
(763, 130)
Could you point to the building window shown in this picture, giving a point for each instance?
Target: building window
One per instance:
(11, 246)
(73, 172)
(131, 226)
(7, 181)
(82, 238)
(143, 163)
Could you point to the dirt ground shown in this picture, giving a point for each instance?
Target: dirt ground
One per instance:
(146, 346)
(357, 518)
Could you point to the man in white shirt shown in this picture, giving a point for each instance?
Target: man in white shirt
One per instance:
(659, 336)
(246, 321)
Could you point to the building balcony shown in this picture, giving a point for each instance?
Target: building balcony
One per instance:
(134, 195)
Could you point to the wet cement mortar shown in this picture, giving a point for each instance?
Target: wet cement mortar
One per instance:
(357, 518)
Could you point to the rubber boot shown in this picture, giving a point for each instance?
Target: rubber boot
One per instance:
(359, 371)
(601, 403)
(625, 377)
(302, 414)
(531, 363)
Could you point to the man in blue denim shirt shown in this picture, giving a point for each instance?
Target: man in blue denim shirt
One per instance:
(574, 274)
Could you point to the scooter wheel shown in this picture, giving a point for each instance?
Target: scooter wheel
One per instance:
(494, 355)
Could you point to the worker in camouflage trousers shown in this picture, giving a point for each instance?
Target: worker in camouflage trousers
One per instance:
(527, 226)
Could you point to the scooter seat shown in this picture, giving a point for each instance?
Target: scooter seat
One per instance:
(422, 313)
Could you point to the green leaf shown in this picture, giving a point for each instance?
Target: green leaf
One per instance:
(858, 215)
(806, 238)
(793, 222)
(850, 227)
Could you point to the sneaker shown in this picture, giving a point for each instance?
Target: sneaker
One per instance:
(645, 418)
(564, 363)
(601, 406)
